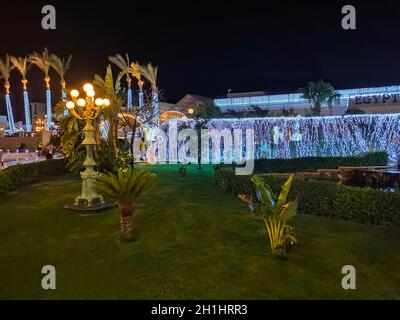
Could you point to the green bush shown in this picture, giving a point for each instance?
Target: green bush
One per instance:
(315, 163)
(24, 174)
(324, 198)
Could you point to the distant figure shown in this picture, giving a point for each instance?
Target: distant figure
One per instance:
(22, 147)
(1, 159)
(143, 149)
(49, 151)
(39, 146)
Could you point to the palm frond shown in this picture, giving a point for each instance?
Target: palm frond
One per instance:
(21, 64)
(60, 65)
(150, 73)
(6, 67)
(134, 70)
(42, 61)
(125, 186)
(122, 64)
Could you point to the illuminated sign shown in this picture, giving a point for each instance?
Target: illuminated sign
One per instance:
(377, 99)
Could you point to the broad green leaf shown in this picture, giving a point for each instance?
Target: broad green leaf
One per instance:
(284, 193)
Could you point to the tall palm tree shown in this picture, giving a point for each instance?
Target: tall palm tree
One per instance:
(125, 187)
(5, 71)
(22, 65)
(124, 65)
(150, 73)
(61, 66)
(43, 62)
(134, 70)
(318, 93)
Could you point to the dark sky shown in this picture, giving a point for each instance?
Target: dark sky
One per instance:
(208, 47)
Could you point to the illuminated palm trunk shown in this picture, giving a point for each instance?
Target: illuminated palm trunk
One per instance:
(104, 128)
(48, 104)
(28, 122)
(141, 96)
(129, 99)
(64, 95)
(129, 94)
(141, 102)
(10, 115)
(156, 107)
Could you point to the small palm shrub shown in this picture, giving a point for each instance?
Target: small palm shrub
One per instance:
(276, 212)
(125, 187)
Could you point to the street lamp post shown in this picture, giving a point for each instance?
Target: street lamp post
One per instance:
(87, 109)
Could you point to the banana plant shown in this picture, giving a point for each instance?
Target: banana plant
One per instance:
(276, 213)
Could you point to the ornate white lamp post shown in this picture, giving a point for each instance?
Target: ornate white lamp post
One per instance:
(87, 109)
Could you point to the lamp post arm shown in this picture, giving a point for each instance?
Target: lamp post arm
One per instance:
(75, 114)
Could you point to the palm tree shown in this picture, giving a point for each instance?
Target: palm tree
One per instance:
(107, 88)
(23, 66)
(124, 65)
(5, 71)
(335, 98)
(318, 93)
(150, 73)
(125, 187)
(61, 66)
(44, 62)
(134, 70)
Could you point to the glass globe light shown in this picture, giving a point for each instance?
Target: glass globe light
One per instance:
(99, 102)
(74, 93)
(106, 102)
(88, 87)
(70, 105)
(81, 102)
(90, 93)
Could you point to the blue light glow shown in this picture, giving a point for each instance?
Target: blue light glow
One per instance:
(10, 115)
(156, 110)
(48, 109)
(141, 102)
(294, 137)
(129, 99)
(28, 123)
(64, 98)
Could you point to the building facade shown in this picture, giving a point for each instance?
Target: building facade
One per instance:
(38, 115)
(377, 100)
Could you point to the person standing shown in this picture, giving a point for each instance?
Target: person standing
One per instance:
(143, 149)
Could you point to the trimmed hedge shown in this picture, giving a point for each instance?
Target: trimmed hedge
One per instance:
(314, 163)
(24, 174)
(324, 198)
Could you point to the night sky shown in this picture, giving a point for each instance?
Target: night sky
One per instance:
(206, 47)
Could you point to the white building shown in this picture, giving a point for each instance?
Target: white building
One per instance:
(369, 100)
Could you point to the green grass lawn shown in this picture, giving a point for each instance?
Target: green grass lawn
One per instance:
(193, 241)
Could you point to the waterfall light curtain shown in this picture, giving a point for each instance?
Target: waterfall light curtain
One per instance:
(295, 137)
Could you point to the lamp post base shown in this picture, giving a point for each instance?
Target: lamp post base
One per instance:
(97, 205)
